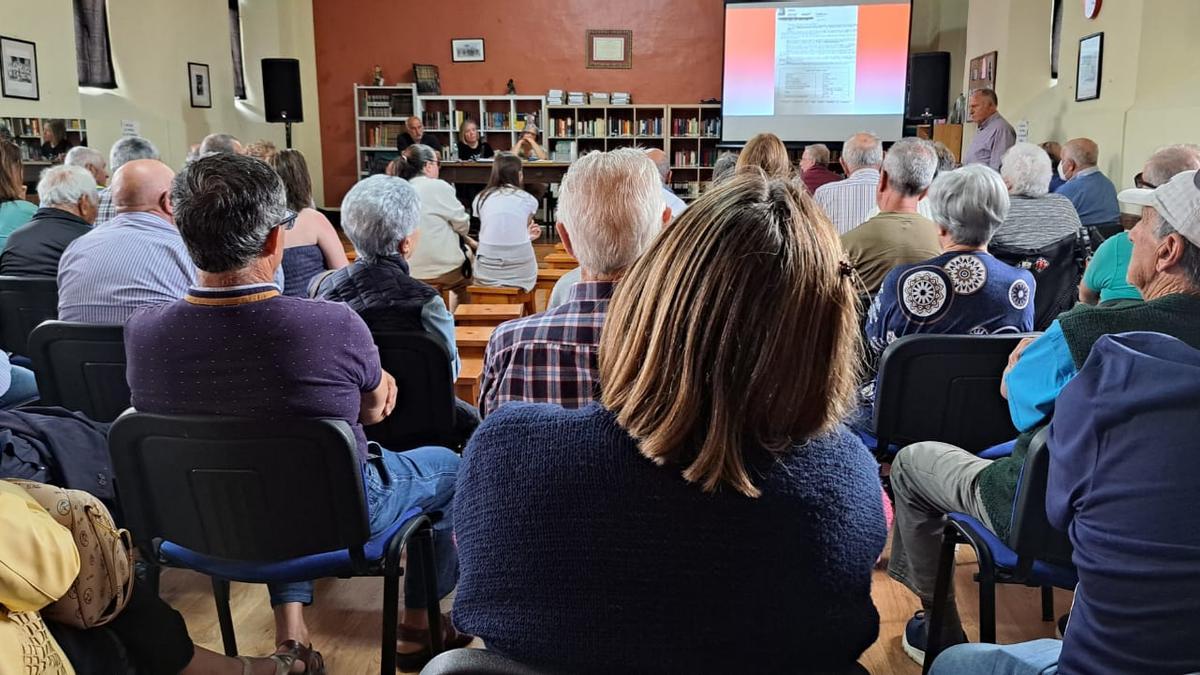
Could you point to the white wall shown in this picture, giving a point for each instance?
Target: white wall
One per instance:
(152, 42)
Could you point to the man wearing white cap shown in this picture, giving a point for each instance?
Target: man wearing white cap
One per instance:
(932, 479)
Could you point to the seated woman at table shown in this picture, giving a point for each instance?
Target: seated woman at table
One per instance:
(507, 231)
(471, 147)
(527, 146)
(313, 246)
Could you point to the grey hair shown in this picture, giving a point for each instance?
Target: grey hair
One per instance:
(1190, 260)
(413, 160)
(128, 149)
(218, 143)
(65, 185)
(1168, 161)
(84, 157)
(969, 203)
(225, 207)
(661, 162)
(724, 167)
(946, 159)
(989, 94)
(817, 152)
(861, 150)
(910, 165)
(378, 213)
(1026, 168)
(611, 204)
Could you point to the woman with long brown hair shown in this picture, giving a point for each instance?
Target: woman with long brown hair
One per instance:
(15, 210)
(711, 485)
(766, 152)
(312, 245)
(506, 228)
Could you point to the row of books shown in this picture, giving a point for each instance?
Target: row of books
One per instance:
(688, 158)
(691, 189)
(693, 126)
(565, 127)
(383, 135)
(436, 119)
(377, 105)
(32, 126)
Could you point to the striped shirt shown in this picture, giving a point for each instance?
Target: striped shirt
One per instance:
(550, 357)
(136, 259)
(1037, 222)
(849, 202)
(106, 211)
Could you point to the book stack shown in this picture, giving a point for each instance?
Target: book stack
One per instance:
(384, 135)
(618, 127)
(497, 121)
(576, 98)
(685, 158)
(377, 105)
(685, 126)
(599, 98)
(712, 127)
(650, 127)
(591, 128)
(562, 127)
(554, 97)
(621, 98)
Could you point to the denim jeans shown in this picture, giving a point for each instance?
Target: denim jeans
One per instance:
(395, 482)
(1037, 657)
(21, 390)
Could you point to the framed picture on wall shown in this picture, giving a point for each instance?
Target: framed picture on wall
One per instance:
(199, 85)
(1089, 67)
(982, 74)
(467, 49)
(610, 49)
(18, 68)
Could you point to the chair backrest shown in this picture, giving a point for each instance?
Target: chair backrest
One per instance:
(1098, 233)
(944, 388)
(1031, 535)
(81, 367)
(1056, 268)
(424, 412)
(240, 489)
(24, 303)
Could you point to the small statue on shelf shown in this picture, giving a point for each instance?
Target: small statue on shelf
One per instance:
(512, 87)
(377, 80)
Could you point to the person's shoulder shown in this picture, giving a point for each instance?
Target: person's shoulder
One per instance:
(148, 319)
(835, 460)
(519, 431)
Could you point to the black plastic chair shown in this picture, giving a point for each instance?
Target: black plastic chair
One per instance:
(81, 367)
(1035, 553)
(425, 402)
(943, 388)
(210, 494)
(24, 303)
(1097, 234)
(1056, 268)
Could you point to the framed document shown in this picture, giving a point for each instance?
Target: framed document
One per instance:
(609, 49)
(18, 69)
(199, 85)
(468, 49)
(1089, 68)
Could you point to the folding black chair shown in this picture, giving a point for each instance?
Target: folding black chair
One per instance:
(81, 367)
(210, 494)
(24, 303)
(1035, 554)
(425, 402)
(1056, 268)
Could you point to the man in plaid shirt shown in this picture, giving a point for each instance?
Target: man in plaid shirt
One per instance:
(610, 208)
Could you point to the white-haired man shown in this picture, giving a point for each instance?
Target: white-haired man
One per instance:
(68, 209)
(221, 143)
(125, 150)
(849, 202)
(610, 208)
(994, 136)
(813, 169)
(1090, 191)
(899, 235)
(90, 159)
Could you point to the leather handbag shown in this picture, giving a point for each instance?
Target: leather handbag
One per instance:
(105, 579)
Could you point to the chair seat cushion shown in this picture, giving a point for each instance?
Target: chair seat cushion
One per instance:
(1043, 574)
(319, 565)
(1004, 449)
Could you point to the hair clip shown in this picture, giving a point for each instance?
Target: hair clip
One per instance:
(846, 268)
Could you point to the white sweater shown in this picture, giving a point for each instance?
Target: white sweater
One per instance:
(443, 219)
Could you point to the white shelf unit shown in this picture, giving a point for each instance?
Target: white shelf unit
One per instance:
(501, 119)
(380, 114)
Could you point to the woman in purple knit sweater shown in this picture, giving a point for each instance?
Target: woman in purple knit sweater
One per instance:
(709, 513)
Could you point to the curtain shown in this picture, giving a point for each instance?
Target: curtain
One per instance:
(235, 43)
(1055, 36)
(93, 53)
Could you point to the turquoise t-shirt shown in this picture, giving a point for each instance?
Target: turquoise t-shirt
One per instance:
(1106, 272)
(14, 214)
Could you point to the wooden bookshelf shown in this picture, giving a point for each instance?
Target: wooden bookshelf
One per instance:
(501, 119)
(27, 134)
(380, 114)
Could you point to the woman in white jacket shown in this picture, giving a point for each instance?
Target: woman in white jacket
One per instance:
(439, 257)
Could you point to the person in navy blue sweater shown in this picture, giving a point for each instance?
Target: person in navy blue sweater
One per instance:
(709, 513)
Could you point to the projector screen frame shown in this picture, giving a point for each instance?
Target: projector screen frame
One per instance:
(799, 143)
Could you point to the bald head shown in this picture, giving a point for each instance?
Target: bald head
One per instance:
(661, 163)
(1082, 151)
(143, 186)
(861, 151)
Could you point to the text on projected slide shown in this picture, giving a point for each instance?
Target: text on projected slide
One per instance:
(816, 56)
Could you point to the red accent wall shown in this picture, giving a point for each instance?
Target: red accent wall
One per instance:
(677, 54)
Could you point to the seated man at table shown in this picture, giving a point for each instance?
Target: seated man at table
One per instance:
(235, 346)
(932, 479)
(610, 208)
(415, 133)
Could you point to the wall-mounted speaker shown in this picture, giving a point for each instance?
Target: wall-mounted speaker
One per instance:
(281, 90)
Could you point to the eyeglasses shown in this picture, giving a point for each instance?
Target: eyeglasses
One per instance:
(1140, 182)
(289, 220)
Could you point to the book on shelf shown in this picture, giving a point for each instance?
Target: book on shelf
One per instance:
(562, 127)
(576, 98)
(650, 127)
(497, 121)
(554, 97)
(599, 98)
(383, 135)
(621, 98)
(564, 151)
(685, 158)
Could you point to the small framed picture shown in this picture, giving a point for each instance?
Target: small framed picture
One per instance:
(199, 85)
(467, 49)
(18, 69)
(1090, 67)
(610, 49)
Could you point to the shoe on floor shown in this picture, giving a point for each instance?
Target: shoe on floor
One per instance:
(916, 635)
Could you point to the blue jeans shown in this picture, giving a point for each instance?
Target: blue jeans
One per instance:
(1036, 657)
(393, 483)
(21, 390)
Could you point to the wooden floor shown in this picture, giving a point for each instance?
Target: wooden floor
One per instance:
(345, 618)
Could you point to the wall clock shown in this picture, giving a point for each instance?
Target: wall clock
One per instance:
(1091, 8)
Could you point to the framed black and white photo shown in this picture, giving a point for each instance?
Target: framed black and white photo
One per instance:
(1090, 67)
(199, 85)
(18, 69)
(467, 49)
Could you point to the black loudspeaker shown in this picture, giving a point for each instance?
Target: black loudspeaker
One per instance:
(281, 90)
(928, 85)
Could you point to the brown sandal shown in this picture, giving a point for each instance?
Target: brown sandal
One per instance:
(415, 661)
(292, 651)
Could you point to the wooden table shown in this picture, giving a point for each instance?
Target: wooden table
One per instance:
(479, 172)
(466, 386)
(561, 261)
(486, 315)
(472, 340)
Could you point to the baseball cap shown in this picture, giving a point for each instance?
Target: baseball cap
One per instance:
(1177, 202)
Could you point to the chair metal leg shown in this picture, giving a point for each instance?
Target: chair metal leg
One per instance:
(432, 604)
(224, 615)
(941, 596)
(391, 607)
(987, 602)
(1047, 603)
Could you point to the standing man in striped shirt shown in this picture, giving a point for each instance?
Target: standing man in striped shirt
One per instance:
(849, 202)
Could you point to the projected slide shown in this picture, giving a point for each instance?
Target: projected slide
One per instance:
(815, 69)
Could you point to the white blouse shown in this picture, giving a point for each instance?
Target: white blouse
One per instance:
(504, 217)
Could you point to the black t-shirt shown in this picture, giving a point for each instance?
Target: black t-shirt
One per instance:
(426, 139)
(52, 151)
(466, 153)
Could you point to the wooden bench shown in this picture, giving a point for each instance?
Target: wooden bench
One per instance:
(486, 315)
(560, 247)
(472, 340)
(466, 387)
(501, 295)
(561, 261)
